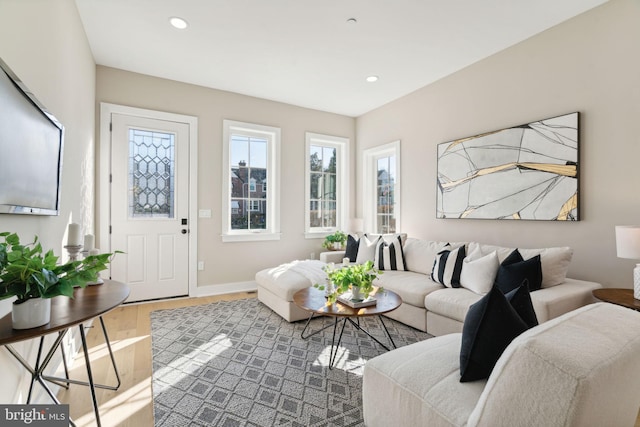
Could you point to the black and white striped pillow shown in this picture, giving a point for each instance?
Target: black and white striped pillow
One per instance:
(390, 256)
(448, 266)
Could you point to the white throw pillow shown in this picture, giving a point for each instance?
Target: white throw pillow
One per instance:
(479, 271)
(555, 263)
(367, 249)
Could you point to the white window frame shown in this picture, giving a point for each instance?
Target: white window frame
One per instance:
(272, 135)
(342, 183)
(370, 182)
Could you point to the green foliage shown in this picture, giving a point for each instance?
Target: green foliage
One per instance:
(361, 275)
(27, 272)
(337, 237)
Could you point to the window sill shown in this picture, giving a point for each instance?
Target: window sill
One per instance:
(250, 237)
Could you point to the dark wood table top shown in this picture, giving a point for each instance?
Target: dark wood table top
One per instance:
(89, 302)
(623, 297)
(312, 299)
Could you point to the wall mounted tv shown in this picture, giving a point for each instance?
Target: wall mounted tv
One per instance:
(31, 142)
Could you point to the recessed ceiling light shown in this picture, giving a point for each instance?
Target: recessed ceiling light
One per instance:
(372, 79)
(352, 21)
(178, 23)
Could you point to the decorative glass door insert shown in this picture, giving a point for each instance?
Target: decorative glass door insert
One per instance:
(151, 174)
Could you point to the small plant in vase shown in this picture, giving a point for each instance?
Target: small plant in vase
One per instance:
(34, 277)
(335, 241)
(357, 278)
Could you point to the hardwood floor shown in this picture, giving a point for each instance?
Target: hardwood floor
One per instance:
(129, 330)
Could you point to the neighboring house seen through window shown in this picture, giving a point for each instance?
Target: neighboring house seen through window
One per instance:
(326, 184)
(382, 188)
(251, 155)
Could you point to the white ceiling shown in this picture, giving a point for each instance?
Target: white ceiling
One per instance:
(303, 52)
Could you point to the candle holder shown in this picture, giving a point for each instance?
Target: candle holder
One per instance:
(86, 253)
(73, 251)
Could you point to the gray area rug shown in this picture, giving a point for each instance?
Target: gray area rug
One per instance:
(238, 363)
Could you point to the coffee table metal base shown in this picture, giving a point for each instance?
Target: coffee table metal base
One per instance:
(335, 345)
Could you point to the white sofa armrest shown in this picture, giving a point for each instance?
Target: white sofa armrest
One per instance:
(332, 256)
(579, 369)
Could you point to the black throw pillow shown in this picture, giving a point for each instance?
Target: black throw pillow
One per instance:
(514, 270)
(352, 248)
(520, 300)
(490, 325)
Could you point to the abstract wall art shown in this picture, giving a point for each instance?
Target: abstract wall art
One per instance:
(526, 172)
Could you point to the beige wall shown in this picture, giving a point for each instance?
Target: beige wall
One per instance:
(238, 261)
(589, 64)
(44, 43)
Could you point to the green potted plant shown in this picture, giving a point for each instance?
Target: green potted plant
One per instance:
(34, 277)
(335, 241)
(357, 278)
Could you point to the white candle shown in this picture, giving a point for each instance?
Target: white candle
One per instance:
(345, 261)
(89, 242)
(73, 235)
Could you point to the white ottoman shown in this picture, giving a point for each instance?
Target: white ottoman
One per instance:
(277, 285)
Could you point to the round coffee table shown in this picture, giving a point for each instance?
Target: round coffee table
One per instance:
(315, 302)
(623, 297)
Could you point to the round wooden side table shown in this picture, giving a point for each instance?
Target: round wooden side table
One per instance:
(623, 297)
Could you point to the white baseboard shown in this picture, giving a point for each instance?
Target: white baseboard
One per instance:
(227, 288)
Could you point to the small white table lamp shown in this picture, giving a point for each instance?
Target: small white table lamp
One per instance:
(628, 246)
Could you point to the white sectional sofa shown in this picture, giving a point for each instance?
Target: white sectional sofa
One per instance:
(433, 308)
(427, 305)
(579, 369)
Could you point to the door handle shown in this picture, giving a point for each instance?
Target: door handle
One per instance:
(184, 231)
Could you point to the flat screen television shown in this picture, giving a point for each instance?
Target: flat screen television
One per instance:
(31, 143)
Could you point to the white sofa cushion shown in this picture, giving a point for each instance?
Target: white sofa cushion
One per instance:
(420, 254)
(551, 302)
(418, 385)
(452, 303)
(548, 302)
(555, 261)
(412, 287)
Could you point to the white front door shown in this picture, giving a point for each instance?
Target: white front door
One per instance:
(150, 206)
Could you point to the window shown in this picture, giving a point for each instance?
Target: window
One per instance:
(382, 188)
(326, 184)
(251, 156)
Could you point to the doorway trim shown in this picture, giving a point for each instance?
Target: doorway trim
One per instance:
(104, 170)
